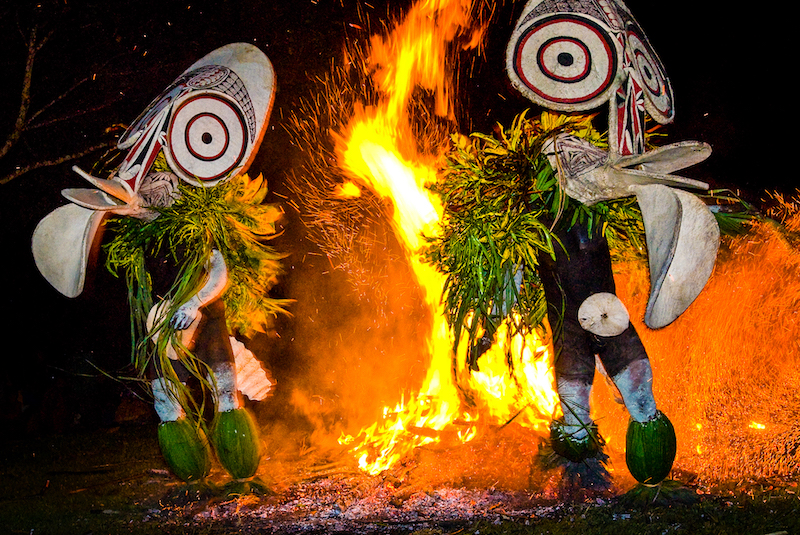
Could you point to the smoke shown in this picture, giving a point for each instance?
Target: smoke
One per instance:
(359, 350)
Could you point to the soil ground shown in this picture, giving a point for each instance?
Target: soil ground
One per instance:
(113, 480)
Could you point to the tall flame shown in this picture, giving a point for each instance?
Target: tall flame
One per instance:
(379, 152)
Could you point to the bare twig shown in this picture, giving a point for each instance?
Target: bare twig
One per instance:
(25, 96)
(30, 123)
(78, 113)
(19, 171)
(26, 117)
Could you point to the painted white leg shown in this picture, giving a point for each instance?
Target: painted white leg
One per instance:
(635, 383)
(226, 394)
(165, 400)
(574, 396)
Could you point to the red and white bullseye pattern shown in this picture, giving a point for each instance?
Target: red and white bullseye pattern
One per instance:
(567, 61)
(207, 137)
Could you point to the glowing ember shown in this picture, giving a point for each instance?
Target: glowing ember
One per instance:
(379, 152)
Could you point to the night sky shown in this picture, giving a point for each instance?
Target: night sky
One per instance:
(725, 64)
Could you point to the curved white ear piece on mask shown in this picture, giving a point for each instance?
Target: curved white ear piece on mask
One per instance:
(62, 243)
(682, 243)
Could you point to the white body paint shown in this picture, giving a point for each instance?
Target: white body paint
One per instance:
(187, 317)
(225, 393)
(574, 397)
(635, 383)
(165, 397)
(215, 284)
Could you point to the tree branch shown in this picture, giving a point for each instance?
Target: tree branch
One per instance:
(19, 171)
(25, 117)
(25, 100)
(60, 97)
(70, 116)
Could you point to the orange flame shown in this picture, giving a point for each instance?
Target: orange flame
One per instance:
(379, 152)
(348, 189)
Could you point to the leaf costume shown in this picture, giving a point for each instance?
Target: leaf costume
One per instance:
(229, 218)
(534, 212)
(515, 246)
(502, 204)
(189, 244)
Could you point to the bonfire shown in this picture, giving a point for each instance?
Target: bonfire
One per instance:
(374, 138)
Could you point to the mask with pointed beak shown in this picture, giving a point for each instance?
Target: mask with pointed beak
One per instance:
(578, 55)
(208, 125)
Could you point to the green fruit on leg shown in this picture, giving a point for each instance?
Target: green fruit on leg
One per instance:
(576, 450)
(235, 438)
(185, 448)
(650, 449)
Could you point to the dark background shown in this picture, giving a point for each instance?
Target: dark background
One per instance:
(730, 70)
